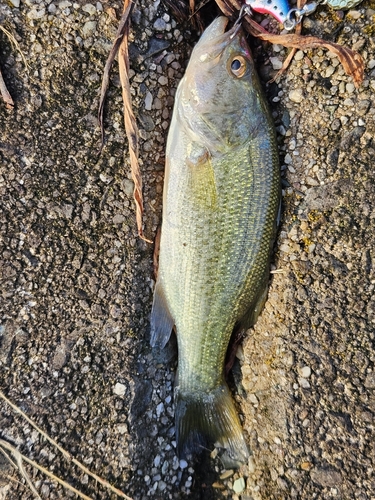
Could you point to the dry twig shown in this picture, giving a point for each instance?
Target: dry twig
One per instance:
(121, 45)
(131, 126)
(65, 453)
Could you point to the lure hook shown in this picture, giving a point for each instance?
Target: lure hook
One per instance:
(244, 11)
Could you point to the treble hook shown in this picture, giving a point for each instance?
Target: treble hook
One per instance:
(244, 11)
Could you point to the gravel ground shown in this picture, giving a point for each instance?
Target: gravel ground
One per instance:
(76, 282)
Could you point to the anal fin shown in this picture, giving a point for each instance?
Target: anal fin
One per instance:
(161, 319)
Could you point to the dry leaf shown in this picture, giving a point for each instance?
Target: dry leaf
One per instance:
(120, 45)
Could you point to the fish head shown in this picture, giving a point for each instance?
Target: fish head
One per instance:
(219, 89)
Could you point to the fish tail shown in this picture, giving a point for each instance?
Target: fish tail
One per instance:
(203, 419)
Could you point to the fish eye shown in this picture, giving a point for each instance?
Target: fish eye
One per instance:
(238, 66)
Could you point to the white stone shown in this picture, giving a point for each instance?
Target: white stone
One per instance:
(163, 80)
(89, 8)
(88, 29)
(304, 383)
(296, 95)
(119, 389)
(299, 55)
(239, 485)
(276, 63)
(305, 371)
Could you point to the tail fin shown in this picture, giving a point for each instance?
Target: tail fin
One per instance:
(209, 418)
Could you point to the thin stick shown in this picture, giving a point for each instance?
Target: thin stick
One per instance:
(18, 456)
(108, 65)
(15, 43)
(131, 126)
(66, 454)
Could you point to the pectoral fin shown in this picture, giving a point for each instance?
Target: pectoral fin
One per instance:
(161, 319)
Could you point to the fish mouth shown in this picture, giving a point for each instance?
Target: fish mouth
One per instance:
(214, 30)
(214, 39)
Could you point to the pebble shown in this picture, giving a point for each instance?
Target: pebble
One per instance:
(160, 24)
(305, 371)
(148, 101)
(350, 88)
(296, 95)
(163, 80)
(304, 383)
(239, 485)
(89, 8)
(226, 474)
(276, 63)
(355, 14)
(299, 55)
(119, 389)
(88, 29)
(15, 3)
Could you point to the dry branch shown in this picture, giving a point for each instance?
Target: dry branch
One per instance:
(121, 45)
(66, 454)
(131, 126)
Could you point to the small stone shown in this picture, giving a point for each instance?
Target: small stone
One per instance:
(239, 485)
(183, 464)
(336, 124)
(148, 101)
(348, 102)
(355, 14)
(276, 63)
(253, 399)
(36, 14)
(118, 219)
(162, 485)
(163, 80)
(88, 29)
(296, 95)
(288, 159)
(119, 389)
(122, 428)
(160, 25)
(350, 88)
(15, 3)
(371, 64)
(304, 383)
(329, 71)
(299, 55)
(89, 8)
(227, 473)
(305, 371)
(159, 409)
(251, 465)
(370, 381)
(326, 477)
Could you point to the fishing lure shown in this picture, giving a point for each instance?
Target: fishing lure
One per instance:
(290, 17)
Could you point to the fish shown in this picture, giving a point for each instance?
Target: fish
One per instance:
(221, 201)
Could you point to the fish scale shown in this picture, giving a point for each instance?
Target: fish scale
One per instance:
(220, 203)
